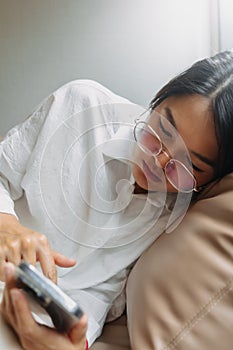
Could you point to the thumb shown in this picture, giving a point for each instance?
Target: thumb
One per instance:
(63, 261)
(77, 334)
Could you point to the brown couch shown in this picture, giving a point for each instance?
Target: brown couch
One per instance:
(180, 292)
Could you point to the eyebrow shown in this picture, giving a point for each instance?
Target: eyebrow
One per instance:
(204, 159)
(170, 117)
(196, 154)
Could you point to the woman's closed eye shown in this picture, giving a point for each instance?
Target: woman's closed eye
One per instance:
(168, 134)
(164, 129)
(196, 168)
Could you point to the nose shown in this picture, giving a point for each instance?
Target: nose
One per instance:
(161, 159)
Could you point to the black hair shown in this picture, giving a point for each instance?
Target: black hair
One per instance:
(213, 78)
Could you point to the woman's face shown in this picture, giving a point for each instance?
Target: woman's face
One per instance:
(192, 119)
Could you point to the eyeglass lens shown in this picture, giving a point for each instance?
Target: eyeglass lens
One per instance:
(147, 139)
(179, 176)
(176, 172)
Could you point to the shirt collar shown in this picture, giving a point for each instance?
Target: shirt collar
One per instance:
(121, 145)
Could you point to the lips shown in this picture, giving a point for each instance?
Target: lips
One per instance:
(149, 173)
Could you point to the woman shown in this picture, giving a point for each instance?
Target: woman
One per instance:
(194, 107)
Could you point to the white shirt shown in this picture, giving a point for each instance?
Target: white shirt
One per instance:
(65, 172)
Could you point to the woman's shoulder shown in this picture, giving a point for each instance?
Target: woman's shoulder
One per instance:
(92, 90)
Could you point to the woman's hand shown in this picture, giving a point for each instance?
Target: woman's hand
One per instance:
(33, 336)
(18, 242)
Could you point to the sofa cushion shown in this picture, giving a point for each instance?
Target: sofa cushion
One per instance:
(180, 292)
(114, 336)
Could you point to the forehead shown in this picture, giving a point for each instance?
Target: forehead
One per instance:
(194, 120)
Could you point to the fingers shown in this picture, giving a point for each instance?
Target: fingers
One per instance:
(14, 247)
(35, 336)
(78, 332)
(20, 318)
(9, 251)
(49, 259)
(7, 307)
(13, 252)
(16, 311)
(30, 246)
(2, 266)
(62, 260)
(35, 247)
(45, 257)
(9, 272)
(23, 317)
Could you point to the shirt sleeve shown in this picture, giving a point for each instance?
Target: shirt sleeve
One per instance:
(15, 151)
(18, 145)
(19, 150)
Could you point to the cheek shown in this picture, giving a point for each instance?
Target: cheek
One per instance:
(139, 176)
(137, 156)
(137, 162)
(203, 179)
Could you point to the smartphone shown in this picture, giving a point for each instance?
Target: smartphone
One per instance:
(63, 311)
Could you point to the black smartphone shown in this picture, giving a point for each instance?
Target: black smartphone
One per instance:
(62, 309)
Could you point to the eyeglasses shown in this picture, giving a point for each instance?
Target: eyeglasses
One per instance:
(179, 176)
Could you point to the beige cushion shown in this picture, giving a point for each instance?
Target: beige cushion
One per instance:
(180, 292)
(114, 337)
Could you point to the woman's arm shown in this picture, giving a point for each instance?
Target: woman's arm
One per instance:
(16, 241)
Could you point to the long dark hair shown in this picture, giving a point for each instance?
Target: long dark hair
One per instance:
(213, 78)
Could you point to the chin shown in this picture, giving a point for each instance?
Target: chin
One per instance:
(139, 177)
(142, 181)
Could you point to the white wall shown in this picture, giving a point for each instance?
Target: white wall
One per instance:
(131, 46)
(226, 24)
